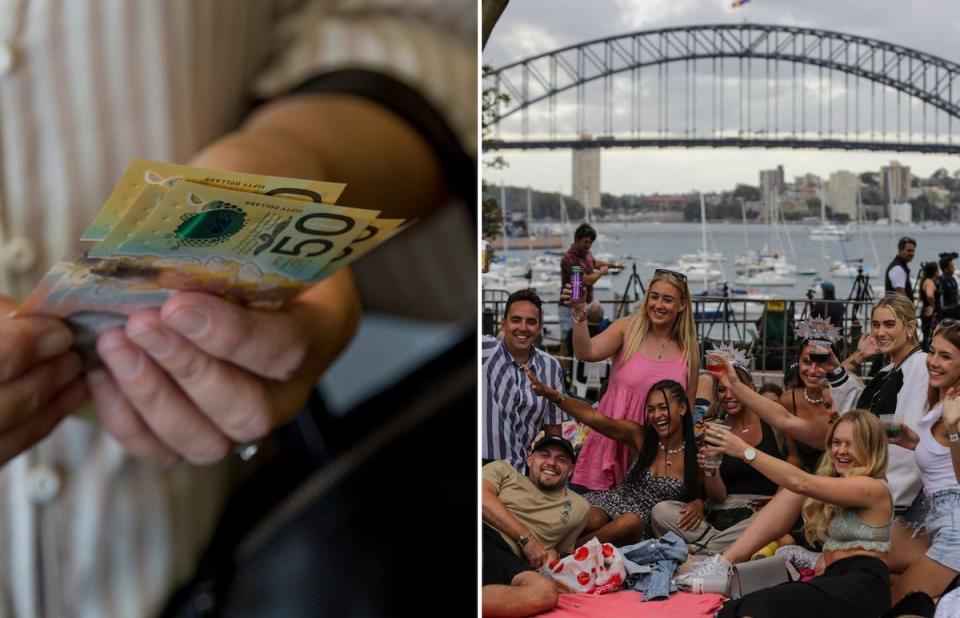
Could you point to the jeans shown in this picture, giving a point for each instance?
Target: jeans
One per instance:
(652, 563)
(943, 526)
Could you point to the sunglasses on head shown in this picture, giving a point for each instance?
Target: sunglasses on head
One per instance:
(663, 271)
(948, 323)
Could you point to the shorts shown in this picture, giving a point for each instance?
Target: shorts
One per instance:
(500, 564)
(913, 515)
(943, 526)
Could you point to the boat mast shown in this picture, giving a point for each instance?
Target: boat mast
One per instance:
(529, 222)
(703, 240)
(503, 213)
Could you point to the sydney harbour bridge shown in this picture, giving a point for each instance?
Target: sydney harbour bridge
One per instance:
(731, 85)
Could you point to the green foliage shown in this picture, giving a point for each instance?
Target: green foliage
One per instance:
(492, 218)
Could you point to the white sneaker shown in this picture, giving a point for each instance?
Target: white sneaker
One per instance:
(712, 573)
(800, 557)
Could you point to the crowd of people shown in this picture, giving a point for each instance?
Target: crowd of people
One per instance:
(853, 480)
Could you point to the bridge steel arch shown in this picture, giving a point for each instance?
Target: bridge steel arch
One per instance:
(933, 80)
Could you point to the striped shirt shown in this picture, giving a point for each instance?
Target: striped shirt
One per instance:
(84, 88)
(512, 413)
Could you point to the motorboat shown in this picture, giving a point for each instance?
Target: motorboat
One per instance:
(765, 276)
(829, 231)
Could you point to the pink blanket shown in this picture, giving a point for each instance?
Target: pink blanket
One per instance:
(627, 603)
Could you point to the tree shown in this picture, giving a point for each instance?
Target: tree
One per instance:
(747, 193)
(492, 223)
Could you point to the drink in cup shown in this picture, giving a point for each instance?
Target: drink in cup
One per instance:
(717, 362)
(890, 426)
(712, 460)
(819, 352)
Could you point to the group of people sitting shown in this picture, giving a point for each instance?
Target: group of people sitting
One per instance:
(870, 506)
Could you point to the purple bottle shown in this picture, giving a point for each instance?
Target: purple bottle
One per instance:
(576, 284)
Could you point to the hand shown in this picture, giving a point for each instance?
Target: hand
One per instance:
(202, 374)
(40, 379)
(928, 312)
(552, 555)
(702, 454)
(691, 515)
(868, 346)
(566, 296)
(603, 269)
(951, 408)
(908, 438)
(538, 388)
(726, 441)
(729, 378)
(535, 553)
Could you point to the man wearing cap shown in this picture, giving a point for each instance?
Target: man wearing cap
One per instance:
(831, 311)
(898, 272)
(528, 521)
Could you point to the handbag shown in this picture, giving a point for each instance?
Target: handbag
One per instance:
(756, 575)
(721, 519)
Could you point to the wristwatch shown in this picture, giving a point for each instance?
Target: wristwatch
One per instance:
(750, 454)
(523, 540)
(953, 437)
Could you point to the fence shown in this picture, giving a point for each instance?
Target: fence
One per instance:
(764, 328)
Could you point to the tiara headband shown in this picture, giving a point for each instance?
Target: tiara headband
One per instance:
(818, 329)
(737, 358)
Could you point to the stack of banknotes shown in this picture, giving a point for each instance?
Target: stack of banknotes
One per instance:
(256, 240)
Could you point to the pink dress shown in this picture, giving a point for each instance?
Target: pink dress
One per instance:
(602, 462)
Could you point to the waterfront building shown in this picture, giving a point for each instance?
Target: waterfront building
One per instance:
(586, 176)
(842, 189)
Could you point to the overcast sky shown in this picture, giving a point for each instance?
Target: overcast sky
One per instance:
(529, 27)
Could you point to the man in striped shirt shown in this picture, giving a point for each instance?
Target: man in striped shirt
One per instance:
(512, 413)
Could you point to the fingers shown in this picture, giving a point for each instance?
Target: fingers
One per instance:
(237, 403)
(123, 423)
(22, 397)
(42, 421)
(270, 344)
(169, 414)
(26, 341)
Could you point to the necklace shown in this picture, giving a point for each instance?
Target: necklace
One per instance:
(812, 401)
(671, 451)
(663, 345)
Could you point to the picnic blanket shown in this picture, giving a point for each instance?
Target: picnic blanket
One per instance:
(627, 603)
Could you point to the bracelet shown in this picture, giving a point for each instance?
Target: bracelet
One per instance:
(579, 317)
(559, 399)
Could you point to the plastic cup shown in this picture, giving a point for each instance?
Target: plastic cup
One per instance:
(717, 362)
(818, 352)
(713, 460)
(891, 426)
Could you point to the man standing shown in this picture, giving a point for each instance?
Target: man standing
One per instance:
(512, 413)
(579, 255)
(898, 273)
(527, 520)
(948, 282)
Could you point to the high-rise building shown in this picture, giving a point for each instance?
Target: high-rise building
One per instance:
(586, 176)
(842, 191)
(895, 182)
(771, 186)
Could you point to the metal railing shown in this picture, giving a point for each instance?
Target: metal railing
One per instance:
(764, 328)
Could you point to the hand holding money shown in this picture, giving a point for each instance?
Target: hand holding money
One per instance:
(40, 379)
(173, 387)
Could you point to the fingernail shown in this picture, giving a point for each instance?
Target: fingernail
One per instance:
(157, 341)
(124, 360)
(54, 342)
(191, 322)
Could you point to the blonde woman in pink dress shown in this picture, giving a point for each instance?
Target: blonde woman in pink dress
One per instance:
(656, 342)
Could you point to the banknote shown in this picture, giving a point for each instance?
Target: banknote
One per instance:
(141, 173)
(270, 235)
(375, 233)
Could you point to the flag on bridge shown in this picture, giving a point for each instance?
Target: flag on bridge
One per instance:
(738, 3)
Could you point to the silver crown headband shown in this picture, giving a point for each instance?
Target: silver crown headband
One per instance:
(738, 358)
(818, 329)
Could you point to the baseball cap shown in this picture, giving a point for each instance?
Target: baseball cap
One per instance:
(561, 442)
(826, 285)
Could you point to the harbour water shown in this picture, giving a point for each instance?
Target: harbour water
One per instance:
(650, 244)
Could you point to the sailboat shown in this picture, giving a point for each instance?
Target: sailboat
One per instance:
(699, 269)
(765, 268)
(850, 268)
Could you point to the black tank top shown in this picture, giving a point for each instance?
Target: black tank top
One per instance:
(742, 478)
(809, 456)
